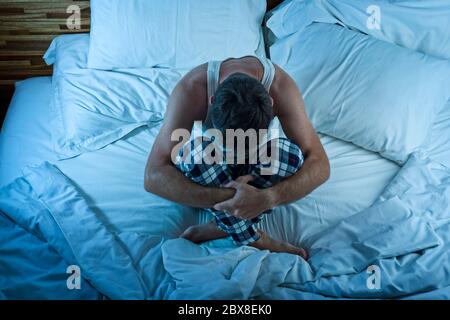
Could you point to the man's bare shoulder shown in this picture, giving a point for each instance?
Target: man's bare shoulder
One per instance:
(284, 89)
(196, 78)
(282, 82)
(189, 100)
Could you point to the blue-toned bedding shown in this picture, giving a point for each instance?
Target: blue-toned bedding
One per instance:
(72, 156)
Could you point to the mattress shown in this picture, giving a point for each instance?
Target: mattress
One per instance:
(111, 179)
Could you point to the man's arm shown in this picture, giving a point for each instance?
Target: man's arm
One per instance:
(249, 202)
(186, 104)
(290, 110)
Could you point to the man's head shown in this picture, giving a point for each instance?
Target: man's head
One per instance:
(241, 102)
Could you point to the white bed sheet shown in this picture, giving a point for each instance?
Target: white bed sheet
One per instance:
(111, 179)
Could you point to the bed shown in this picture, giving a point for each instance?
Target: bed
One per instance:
(86, 206)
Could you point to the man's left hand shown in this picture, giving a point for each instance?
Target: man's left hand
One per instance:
(248, 202)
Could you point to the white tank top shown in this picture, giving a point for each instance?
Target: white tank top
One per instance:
(214, 74)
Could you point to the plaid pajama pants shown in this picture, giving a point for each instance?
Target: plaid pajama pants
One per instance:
(288, 161)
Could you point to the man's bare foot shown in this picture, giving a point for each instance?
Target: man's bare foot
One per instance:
(203, 232)
(267, 243)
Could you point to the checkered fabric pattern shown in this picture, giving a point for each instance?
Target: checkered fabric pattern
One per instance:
(196, 164)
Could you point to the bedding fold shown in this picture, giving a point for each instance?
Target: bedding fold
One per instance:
(343, 252)
(58, 214)
(409, 245)
(31, 269)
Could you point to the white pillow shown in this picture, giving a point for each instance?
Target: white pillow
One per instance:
(172, 33)
(379, 96)
(418, 25)
(93, 108)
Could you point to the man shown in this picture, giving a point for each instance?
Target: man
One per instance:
(192, 100)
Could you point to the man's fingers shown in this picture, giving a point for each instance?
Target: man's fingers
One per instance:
(239, 181)
(225, 206)
(229, 207)
(245, 179)
(232, 184)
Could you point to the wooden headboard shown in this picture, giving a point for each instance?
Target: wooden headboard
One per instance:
(26, 30)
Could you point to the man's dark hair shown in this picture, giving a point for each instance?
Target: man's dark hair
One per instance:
(241, 102)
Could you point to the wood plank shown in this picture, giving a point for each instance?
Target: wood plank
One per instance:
(7, 82)
(26, 38)
(15, 63)
(8, 53)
